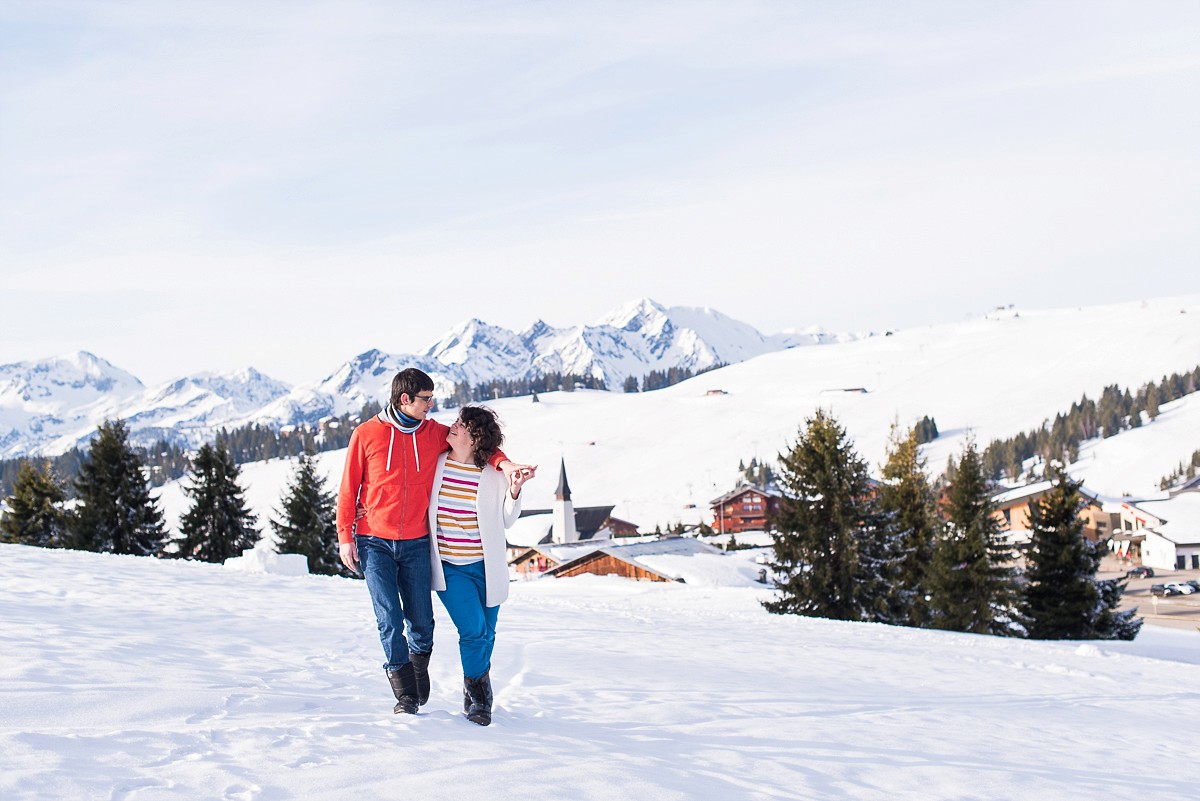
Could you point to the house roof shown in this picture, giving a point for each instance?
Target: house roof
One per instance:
(1180, 516)
(529, 530)
(631, 553)
(561, 551)
(588, 519)
(742, 490)
(1031, 491)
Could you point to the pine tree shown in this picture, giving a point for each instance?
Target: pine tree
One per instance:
(907, 497)
(834, 553)
(1109, 623)
(970, 580)
(307, 525)
(37, 516)
(218, 525)
(1062, 599)
(1152, 402)
(1060, 596)
(115, 513)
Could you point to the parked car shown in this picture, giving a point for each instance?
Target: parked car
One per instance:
(1141, 571)
(1159, 589)
(1180, 588)
(1195, 585)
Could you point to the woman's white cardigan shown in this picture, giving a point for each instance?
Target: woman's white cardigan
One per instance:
(497, 511)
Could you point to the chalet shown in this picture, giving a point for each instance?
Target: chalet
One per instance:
(743, 509)
(537, 559)
(1014, 507)
(635, 561)
(1170, 530)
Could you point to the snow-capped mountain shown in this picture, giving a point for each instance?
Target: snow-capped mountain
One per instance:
(53, 405)
(190, 408)
(629, 341)
(41, 400)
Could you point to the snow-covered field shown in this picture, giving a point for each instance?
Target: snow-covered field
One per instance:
(133, 678)
(661, 456)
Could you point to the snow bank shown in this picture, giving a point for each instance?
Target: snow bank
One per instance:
(263, 559)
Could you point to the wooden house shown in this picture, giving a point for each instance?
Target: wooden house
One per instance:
(627, 560)
(745, 508)
(1014, 507)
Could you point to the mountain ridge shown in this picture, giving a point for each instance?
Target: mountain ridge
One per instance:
(51, 405)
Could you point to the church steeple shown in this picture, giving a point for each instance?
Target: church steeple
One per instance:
(564, 511)
(563, 493)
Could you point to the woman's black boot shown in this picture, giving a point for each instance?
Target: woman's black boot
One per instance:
(477, 699)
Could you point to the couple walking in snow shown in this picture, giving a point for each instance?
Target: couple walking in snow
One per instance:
(423, 507)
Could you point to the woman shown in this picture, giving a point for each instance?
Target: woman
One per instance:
(469, 510)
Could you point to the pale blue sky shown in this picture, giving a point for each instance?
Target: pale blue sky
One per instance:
(191, 186)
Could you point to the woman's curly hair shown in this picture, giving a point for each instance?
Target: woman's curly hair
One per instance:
(484, 428)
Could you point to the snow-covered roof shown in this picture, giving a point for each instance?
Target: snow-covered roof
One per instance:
(733, 493)
(530, 530)
(662, 558)
(1014, 494)
(1180, 516)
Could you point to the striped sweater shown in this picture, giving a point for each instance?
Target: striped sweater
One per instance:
(458, 514)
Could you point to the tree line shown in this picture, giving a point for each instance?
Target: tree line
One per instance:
(466, 392)
(1116, 410)
(1182, 474)
(166, 461)
(906, 553)
(113, 512)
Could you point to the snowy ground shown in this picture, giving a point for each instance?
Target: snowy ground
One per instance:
(128, 678)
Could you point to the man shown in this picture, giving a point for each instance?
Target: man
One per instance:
(389, 472)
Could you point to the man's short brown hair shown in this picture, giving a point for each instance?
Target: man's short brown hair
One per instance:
(409, 382)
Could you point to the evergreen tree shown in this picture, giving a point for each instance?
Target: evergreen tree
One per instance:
(37, 516)
(1152, 402)
(1060, 595)
(116, 513)
(927, 430)
(834, 552)
(218, 525)
(1062, 599)
(971, 581)
(307, 525)
(1109, 623)
(907, 497)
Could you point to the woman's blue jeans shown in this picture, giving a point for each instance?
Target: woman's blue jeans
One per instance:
(465, 598)
(397, 574)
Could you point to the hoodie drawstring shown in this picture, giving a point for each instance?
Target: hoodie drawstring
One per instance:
(391, 442)
(416, 452)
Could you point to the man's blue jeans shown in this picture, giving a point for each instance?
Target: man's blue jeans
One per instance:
(465, 598)
(397, 574)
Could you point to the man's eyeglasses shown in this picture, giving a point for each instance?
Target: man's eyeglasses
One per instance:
(428, 399)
